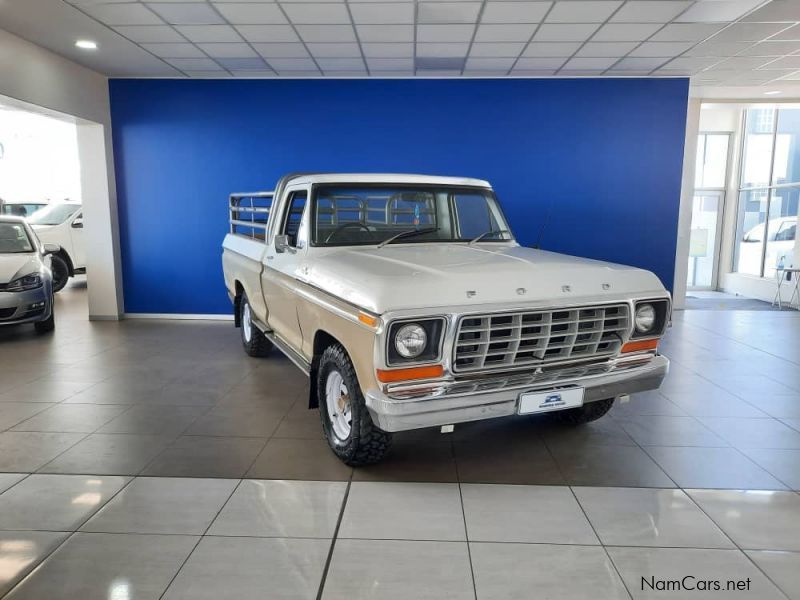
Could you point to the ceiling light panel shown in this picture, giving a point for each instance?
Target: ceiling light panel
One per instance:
(123, 14)
(252, 13)
(650, 11)
(625, 32)
(564, 32)
(514, 12)
(386, 33)
(380, 13)
(313, 13)
(267, 33)
(582, 11)
(209, 33)
(439, 63)
(448, 12)
(504, 33)
(187, 14)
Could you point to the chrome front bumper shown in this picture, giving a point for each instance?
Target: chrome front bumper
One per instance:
(20, 303)
(457, 400)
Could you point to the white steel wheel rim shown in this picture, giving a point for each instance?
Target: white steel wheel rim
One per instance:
(337, 400)
(247, 322)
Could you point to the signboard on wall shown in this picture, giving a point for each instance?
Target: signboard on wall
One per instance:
(698, 243)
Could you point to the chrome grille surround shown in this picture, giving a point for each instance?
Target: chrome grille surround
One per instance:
(524, 338)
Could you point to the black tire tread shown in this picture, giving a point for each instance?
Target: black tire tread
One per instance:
(371, 444)
(57, 260)
(258, 346)
(49, 324)
(584, 414)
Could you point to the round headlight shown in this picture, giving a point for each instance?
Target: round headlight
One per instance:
(645, 318)
(410, 340)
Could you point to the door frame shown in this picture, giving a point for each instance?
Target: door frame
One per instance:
(720, 193)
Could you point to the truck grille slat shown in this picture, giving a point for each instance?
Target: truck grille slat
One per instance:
(536, 337)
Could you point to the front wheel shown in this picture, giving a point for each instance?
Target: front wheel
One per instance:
(60, 270)
(348, 427)
(584, 414)
(255, 343)
(49, 324)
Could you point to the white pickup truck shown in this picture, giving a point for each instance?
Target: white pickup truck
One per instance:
(408, 303)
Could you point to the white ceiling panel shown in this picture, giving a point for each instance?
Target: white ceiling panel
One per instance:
(686, 32)
(544, 49)
(258, 74)
(209, 33)
(650, 11)
(187, 14)
(717, 11)
(640, 63)
(292, 64)
(532, 73)
(770, 48)
(387, 50)
(537, 64)
(787, 62)
(281, 50)
(776, 11)
(252, 13)
(386, 33)
(123, 14)
(564, 32)
(194, 64)
(696, 63)
(340, 64)
(312, 13)
(440, 50)
(584, 63)
(503, 49)
(790, 33)
(267, 33)
(181, 50)
(243, 64)
(721, 49)
(606, 49)
(517, 11)
(582, 11)
(657, 49)
(340, 50)
(489, 64)
(504, 33)
(448, 12)
(382, 13)
(221, 74)
(741, 63)
(625, 32)
(444, 33)
(748, 32)
(228, 50)
(327, 33)
(143, 34)
(390, 64)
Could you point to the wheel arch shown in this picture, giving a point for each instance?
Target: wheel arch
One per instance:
(322, 340)
(66, 258)
(238, 291)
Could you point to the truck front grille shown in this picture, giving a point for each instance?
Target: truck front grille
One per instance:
(514, 339)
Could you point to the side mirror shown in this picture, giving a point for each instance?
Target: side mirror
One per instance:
(282, 244)
(51, 248)
(78, 223)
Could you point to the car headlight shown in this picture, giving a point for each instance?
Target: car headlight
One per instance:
(414, 341)
(645, 318)
(23, 284)
(410, 340)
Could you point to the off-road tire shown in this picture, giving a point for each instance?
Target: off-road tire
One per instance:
(366, 444)
(257, 345)
(60, 270)
(584, 414)
(49, 324)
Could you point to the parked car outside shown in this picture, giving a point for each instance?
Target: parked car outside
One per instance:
(61, 223)
(26, 284)
(20, 208)
(409, 304)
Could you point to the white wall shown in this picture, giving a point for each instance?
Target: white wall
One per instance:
(34, 76)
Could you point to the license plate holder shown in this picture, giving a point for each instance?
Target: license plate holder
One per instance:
(540, 402)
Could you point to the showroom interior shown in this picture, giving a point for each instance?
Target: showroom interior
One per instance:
(144, 453)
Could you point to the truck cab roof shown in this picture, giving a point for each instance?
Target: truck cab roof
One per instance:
(399, 178)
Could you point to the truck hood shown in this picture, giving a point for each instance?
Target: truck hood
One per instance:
(437, 275)
(13, 266)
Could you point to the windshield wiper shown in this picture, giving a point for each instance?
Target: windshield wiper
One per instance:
(407, 233)
(487, 233)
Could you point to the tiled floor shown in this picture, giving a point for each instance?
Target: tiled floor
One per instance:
(153, 459)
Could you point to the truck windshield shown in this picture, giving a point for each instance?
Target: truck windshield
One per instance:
(53, 214)
(349, 215)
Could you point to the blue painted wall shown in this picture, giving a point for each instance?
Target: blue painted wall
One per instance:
(604, 156)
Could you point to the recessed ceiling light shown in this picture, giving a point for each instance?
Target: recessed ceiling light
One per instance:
(86, 45)
(772, 92)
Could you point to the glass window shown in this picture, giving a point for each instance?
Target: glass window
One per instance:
(787, 152)
(751, 227)
(780, 230)
(712, 159)
(352, 215)
(294, 216)
(14, 239)
(759, 130)
(53, 214)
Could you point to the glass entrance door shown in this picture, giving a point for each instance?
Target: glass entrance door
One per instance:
(704, 239)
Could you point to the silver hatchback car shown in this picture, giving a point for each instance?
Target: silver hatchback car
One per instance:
(26, 280)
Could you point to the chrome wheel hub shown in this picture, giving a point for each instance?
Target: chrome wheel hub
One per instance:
(247, 323)
(337, 402)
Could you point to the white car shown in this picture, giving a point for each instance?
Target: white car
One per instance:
(61, 223)
(21, 208)
(781, 235)
(409, 304)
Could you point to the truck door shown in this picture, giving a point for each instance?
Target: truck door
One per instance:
(286, 251)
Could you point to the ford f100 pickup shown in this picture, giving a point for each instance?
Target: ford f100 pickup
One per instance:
(409, 304)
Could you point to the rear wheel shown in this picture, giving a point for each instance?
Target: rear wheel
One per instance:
(254, 341)
(584, 414)
(348, 427)
(60, 270)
